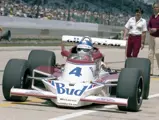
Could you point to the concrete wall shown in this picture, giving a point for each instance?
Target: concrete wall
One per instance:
(36, 28)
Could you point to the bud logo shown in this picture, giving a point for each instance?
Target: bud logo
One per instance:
(61, 89)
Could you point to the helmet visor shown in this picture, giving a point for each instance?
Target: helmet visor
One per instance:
(83, 49)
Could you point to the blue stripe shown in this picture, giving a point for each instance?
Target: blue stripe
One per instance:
(52, 82)
(86, 43)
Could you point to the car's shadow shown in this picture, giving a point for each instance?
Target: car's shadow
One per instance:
(93, 107)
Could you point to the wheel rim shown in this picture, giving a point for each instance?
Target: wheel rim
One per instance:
(139, 92)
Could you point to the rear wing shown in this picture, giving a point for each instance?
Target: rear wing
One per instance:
(98, 41)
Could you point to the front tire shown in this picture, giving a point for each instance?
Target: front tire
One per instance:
(15, 74)
(130, 86)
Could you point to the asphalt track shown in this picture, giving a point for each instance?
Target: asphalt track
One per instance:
(37, 109)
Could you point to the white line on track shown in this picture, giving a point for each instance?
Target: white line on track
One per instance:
(73, 115)
(76, 114)
(153, 96)
(84, 112)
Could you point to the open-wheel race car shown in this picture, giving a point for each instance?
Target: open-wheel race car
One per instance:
(81, 81)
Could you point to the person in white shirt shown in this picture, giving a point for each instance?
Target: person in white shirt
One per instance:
(136, 28)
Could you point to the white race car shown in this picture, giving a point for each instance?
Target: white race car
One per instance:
(81, 81)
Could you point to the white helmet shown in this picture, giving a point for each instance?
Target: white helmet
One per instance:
(84, 47)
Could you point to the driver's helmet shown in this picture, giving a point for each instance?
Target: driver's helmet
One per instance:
(84, 47)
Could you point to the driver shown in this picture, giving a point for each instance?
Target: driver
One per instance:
(85, 47)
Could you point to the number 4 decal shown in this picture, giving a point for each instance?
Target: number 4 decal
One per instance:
(76, 71)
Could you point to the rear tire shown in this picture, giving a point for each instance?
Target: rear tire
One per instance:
(145, 65)
(38, 58)
(130, 86)
(15, 74)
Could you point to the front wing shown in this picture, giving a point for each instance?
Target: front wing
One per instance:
(50, 95)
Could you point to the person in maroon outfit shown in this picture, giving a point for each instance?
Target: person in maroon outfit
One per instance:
(136, 28)
(153, 28)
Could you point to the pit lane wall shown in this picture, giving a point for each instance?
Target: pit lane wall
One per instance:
(38, 28)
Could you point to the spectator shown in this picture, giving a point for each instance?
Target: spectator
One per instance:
(153, 28)
(100, 12)
(136, 27)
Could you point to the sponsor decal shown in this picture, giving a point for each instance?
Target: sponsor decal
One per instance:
(68, 100)
(106, 99)
(76, 38)
(67, 104)
(61, 89)
(34, 93)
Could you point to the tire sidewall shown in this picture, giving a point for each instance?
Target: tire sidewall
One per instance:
(14, 77)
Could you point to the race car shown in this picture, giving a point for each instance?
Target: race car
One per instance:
(81, 81)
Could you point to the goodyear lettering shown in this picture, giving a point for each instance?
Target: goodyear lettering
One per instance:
(61, 89)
